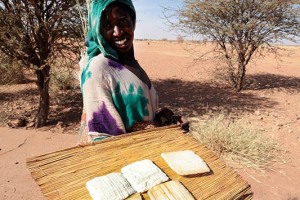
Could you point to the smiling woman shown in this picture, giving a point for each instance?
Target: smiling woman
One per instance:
(118, 95)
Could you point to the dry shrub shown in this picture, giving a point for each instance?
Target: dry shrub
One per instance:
(236, 141)
(63, 79)
(10, 71)
(180, 39)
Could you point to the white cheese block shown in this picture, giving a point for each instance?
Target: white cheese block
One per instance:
(113, 186)
(185, 162)
(143, 175)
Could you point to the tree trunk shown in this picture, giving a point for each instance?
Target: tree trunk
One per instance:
(240, 77)
(232, 78)
(43, 79)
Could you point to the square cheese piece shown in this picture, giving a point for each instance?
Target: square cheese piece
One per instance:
(143, 175)
(113, 186)
(185, 162)
(170, 190)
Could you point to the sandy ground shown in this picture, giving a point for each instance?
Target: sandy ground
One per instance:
(271, 102)
(16, 146)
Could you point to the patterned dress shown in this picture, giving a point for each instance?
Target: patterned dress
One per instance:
(114, 99)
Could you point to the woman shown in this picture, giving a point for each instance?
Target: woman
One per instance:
(117, 93)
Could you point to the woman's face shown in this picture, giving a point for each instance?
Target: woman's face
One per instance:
(117, 28)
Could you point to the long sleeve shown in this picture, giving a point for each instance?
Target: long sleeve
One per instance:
(101, 114)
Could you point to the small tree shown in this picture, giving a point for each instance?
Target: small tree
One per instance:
(179, 39)
(38, 32)
(238, 28)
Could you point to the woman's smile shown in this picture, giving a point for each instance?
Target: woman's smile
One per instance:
(121, 42)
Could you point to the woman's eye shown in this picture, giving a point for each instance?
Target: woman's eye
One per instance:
(106, 26)
(124, 21)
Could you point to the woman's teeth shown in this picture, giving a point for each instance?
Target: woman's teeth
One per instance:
(121, 42)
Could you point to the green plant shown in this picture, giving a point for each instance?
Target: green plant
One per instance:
(236, 141)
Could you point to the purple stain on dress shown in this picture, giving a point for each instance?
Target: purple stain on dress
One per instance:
(115, 64)
(103, 122)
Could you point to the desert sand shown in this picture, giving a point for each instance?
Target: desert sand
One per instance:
(270, 101)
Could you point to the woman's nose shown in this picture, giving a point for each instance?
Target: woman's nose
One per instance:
(117, 30)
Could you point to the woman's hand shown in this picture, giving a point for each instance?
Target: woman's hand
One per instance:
(184, 123)
(166, 117)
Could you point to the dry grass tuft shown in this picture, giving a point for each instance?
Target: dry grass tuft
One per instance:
(237, 141)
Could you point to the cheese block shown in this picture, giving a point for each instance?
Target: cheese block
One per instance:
(143, 175)
(113, 186)
(185, 162)
(171, 190)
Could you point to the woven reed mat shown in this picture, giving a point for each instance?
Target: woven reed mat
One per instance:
(63, 174)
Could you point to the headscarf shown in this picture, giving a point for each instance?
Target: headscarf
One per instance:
(95, 42)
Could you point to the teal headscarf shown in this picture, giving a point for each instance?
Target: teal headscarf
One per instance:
(95, 42)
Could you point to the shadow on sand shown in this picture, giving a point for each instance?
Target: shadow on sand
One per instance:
(273, 81)
(184, 97)
(196, 98)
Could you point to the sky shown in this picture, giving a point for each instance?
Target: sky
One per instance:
(150, 23)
